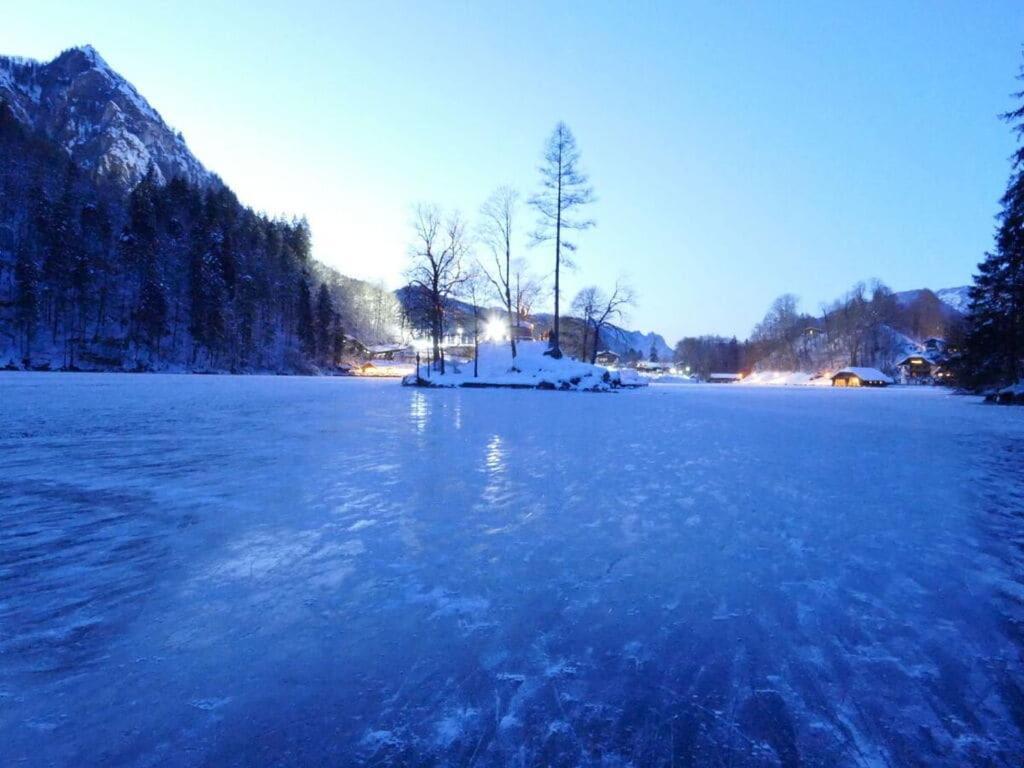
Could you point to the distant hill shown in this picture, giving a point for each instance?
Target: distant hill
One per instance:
(874, 328)
(957, 298)
(923, 313)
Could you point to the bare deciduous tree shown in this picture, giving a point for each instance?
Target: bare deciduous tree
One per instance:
(564, 189)
(498, 216)
(583, 306)
(608, 308)
(526, 289)
(437, 270)
(473, 289)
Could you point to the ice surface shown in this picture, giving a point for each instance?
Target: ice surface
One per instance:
(228, 571)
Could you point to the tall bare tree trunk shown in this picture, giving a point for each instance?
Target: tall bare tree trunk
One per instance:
(555, 351)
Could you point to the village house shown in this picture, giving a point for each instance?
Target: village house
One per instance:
(391, 352)
(724, 378)
(860, 377)
(648, 367)
(522, 331)
(607, 357)
(916, 369)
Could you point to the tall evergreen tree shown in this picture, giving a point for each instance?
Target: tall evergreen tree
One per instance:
(26, 279)
(152, 312)
(994, 349)
(305, 329)
(324, 321)
(62, 251)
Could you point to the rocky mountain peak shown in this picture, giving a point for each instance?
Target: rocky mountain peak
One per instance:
(78, 101)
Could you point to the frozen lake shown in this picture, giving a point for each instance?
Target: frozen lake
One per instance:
(222, 571)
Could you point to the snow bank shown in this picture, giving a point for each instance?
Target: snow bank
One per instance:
(1011, 395)
(787, 379)
(627, 377)
(533, 370)
(670, 378)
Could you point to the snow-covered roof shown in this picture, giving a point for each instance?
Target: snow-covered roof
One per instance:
(917, 356)
(726, 376)
(864, 374)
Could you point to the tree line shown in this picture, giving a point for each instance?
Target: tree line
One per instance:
(866, 326)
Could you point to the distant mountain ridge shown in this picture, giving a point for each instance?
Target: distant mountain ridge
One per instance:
(957, 298)
(622, 341)
(102, 122)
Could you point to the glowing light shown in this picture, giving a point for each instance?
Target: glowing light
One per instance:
(495, 329)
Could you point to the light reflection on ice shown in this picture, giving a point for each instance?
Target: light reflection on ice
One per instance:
(419, 410)
(495, 455)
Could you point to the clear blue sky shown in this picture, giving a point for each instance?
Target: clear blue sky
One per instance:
(739, 149)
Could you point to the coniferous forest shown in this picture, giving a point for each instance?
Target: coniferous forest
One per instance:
(164, 276)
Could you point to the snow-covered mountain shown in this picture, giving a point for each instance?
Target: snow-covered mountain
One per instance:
(958, 298)
(619, 340)
(622, 341)
(100, 120)
(955, 298)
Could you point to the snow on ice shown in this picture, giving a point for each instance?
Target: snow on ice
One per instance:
(207, 570)
(530, 369)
